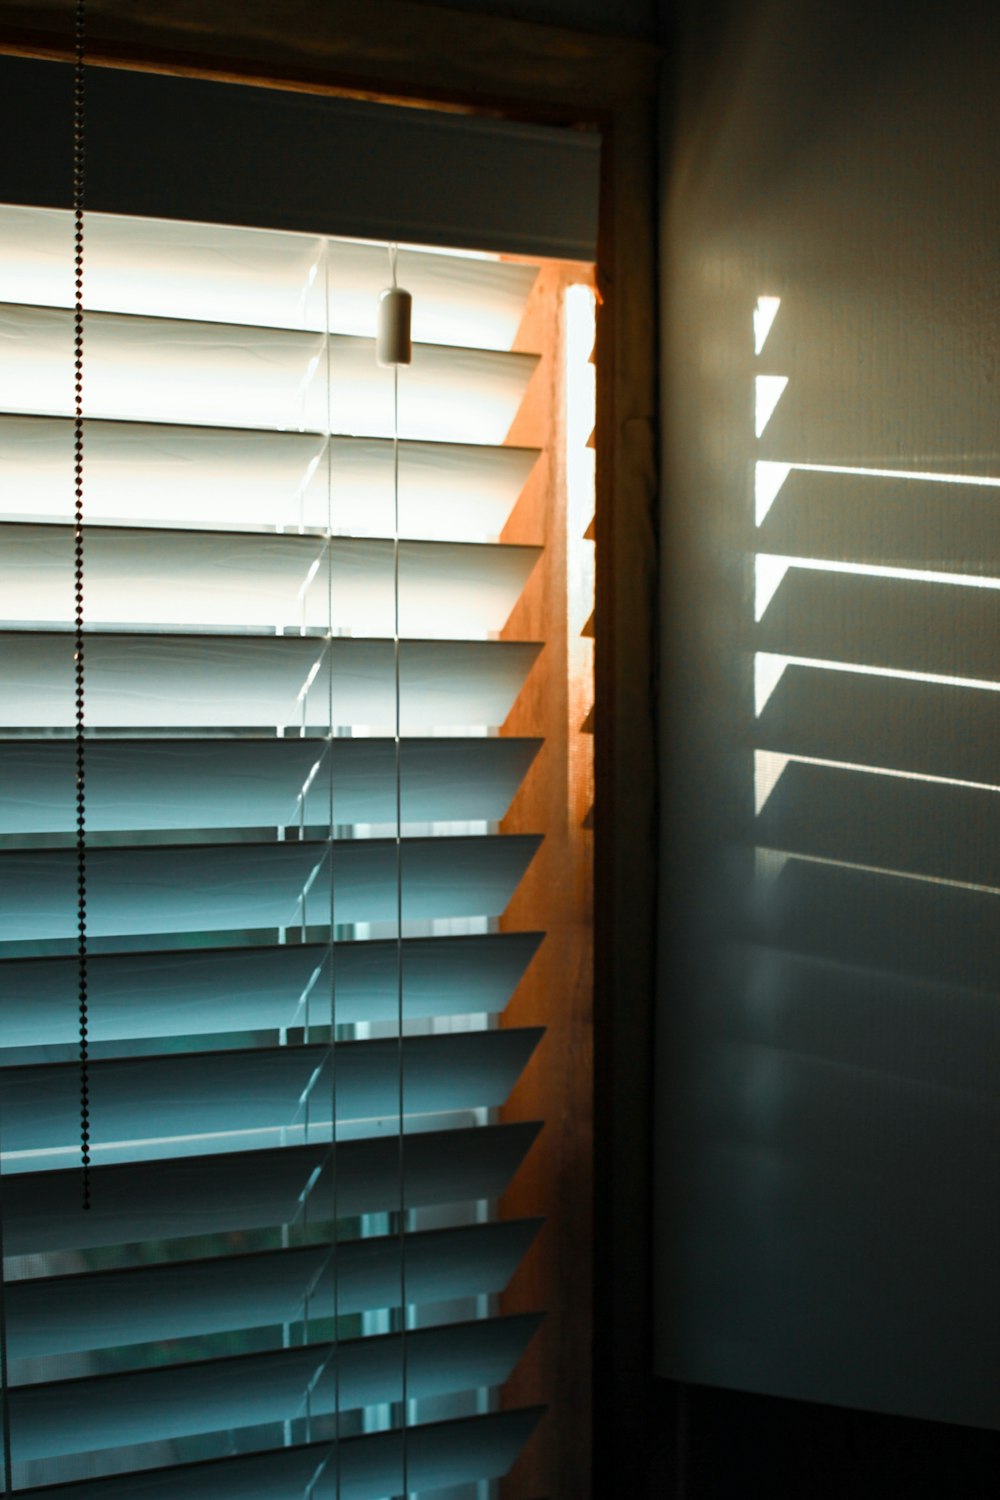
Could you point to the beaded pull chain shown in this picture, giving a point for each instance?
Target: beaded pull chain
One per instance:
(78, 643)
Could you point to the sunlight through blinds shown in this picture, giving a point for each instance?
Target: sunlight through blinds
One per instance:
(877, 823)
(229, 1318)
(828, 1098)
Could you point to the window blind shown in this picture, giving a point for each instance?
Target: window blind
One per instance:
(294, 691)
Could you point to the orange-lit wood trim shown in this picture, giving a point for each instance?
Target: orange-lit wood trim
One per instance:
(556, 896)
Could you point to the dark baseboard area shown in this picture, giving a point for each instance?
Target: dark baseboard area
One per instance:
(707, 1444)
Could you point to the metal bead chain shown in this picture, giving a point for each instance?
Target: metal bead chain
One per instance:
(78, 659)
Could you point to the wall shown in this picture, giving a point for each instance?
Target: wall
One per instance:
(826, 1172)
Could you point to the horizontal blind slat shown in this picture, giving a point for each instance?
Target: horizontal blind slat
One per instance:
(218, 783)
(204, 991)
(137, 681)
(199, 1195)
(227, 374)
(192, 579)
(363, 1468)
(188, 272)
(240, 478)
(192, 1093)
(197, 887)
(67, 1314)
(145, 1406)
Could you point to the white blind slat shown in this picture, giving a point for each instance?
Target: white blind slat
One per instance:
(192, 992)
(227, 374)
(195, 579)
(198, 783)
(232, 477)
(70, 1314)
(234, 682)
(368, 1467)
(205, 1195)
(153, 1405)
(259, 1089)
(216, 272)
(205, 887)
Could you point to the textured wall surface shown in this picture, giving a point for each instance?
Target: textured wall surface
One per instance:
(829, 1098)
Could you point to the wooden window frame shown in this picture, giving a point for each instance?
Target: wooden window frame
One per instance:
(418, 55)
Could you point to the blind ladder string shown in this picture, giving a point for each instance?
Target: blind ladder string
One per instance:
(78, 641)
(334, 1184)
(332, 1358)
(398, 755)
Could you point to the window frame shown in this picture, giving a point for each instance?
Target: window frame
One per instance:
(410, 54)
